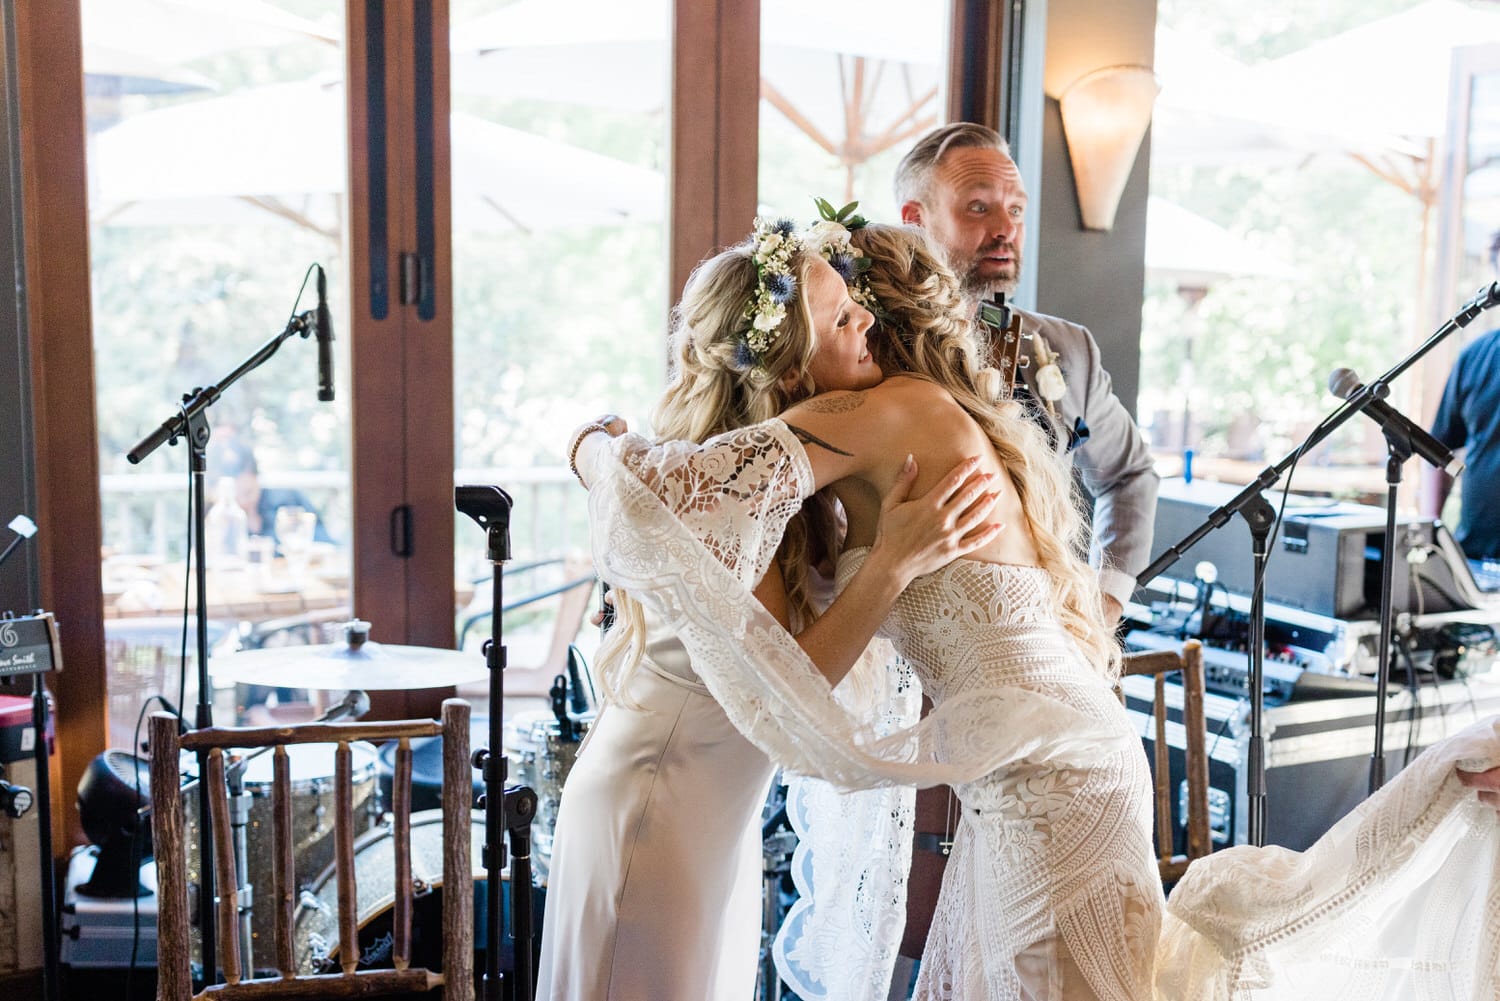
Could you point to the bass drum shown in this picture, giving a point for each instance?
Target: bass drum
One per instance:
(315, 931)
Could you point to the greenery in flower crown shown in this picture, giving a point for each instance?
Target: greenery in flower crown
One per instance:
(776, 243)
(830, 235)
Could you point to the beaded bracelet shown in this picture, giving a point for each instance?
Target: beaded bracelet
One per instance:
(602, 424)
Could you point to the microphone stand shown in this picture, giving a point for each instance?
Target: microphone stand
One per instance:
(506, 808)
(1259, 516)
(190, 423)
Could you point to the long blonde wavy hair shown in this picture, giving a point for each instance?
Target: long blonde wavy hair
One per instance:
(924, 331)
(714, 387)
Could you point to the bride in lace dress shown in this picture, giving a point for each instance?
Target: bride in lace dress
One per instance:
(657, 857)
(1052, 891)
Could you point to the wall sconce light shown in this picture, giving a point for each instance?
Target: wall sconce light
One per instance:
(1104, 117)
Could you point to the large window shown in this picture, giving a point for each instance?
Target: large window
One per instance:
(844, 94)
(204, 219)
(1295, 189)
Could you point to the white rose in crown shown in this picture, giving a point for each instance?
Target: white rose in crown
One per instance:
(826, 233)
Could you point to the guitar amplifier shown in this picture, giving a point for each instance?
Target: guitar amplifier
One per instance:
(1326, 558)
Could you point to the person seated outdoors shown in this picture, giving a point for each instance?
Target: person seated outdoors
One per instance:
(236, 459)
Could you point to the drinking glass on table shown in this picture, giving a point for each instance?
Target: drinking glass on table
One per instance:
(295, 527)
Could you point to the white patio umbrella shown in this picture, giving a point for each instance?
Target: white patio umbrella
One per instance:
(281, 150)
(855, 78)
(1214, 109)
(1394, 73)
(1189, 251)
(178, 31)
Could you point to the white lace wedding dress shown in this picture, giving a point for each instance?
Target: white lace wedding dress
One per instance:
(1052, 892)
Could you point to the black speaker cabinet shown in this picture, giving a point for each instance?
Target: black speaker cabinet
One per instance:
(1325, 560)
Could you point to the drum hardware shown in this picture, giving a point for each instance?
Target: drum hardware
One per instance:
(543, 758)
(506, 808)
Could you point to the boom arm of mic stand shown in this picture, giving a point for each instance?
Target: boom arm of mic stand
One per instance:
(199, 400)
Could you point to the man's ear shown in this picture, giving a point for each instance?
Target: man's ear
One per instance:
(911, 213)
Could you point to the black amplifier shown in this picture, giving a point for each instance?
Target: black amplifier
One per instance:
(1325, 560)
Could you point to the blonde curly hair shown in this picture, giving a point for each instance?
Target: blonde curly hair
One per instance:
(717, 386)
(923, 331)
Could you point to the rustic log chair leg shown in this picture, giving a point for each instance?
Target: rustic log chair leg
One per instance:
(283, 862)
(401, 809)
(225, 877)
(343, 848)
(174, 973)
(458, 872)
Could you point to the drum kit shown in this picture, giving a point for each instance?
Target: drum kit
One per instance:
(541, 744)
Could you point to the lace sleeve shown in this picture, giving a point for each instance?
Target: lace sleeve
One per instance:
(734, 493)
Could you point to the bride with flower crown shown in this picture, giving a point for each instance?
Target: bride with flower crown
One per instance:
(656, 864)
(1052, 890)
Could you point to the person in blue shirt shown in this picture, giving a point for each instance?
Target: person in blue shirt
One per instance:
(235, 458)
(1468, 418)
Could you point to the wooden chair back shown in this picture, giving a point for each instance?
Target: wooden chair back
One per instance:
(174, 979)
(1160, 663)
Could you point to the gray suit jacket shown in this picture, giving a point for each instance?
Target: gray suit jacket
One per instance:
(1112, 461)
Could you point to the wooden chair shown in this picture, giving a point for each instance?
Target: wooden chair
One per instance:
(174, 979)
(1160, 663)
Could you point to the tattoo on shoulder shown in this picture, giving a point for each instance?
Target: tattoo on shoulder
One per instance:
(834, 403)
(808, 438)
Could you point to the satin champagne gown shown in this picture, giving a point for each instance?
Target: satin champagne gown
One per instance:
(656, 865)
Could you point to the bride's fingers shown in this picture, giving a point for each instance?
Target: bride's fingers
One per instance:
(953, 507)
(900, 491)
(981, 536)
(961, 476)
(1487, 783)
(976, 510)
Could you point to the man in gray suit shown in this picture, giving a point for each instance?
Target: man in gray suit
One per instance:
(961, 185)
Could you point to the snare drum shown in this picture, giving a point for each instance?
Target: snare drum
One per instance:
(533, 741)
(312, 771)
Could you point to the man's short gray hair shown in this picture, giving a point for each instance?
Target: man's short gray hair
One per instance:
(914, 172)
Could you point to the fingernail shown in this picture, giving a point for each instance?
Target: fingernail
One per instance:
(910, 462)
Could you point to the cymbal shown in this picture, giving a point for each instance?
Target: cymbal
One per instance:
(369, 666)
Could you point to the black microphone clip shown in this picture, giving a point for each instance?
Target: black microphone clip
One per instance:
(1344, 383)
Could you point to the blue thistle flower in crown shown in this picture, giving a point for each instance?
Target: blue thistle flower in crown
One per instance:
(743, 356)
(830, 235)
(843, 263)
(781, 287)
(775, 245)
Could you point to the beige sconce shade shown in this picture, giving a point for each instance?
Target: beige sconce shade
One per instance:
(1104, 117)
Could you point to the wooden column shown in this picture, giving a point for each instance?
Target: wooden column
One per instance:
(715, 130)
(55, 217)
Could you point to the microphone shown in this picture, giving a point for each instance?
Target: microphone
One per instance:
(324, 324)
(1344, 383)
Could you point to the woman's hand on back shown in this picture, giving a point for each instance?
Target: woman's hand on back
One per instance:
(916, 536)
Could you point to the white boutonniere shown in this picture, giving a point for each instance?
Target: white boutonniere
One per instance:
(1050, 384)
